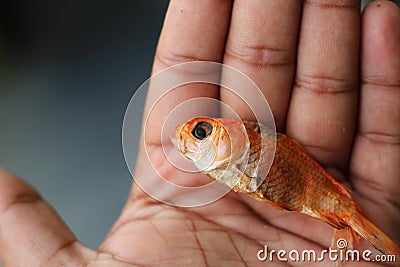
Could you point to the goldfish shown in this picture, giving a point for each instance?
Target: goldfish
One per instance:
(237, 153)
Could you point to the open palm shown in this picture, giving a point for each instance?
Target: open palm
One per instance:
(307, 60)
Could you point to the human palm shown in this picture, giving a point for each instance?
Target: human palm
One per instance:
(307, 65)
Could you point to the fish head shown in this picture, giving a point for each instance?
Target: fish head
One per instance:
(212, 143)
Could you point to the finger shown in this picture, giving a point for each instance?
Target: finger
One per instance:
(375, 168)
(262, 43)
(193, 30)
(31, 233)
(324, 100)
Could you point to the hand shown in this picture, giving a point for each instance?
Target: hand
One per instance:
(308, 66)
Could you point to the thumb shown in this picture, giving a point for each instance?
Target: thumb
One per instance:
(31, 232)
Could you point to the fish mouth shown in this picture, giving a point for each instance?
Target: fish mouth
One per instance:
(174, 142)
(193, 155)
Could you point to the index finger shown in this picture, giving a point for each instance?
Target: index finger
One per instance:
(192, 31)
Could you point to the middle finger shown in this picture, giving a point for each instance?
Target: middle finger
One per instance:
(262, 43)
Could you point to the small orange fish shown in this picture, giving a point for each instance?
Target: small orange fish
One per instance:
(236, 154)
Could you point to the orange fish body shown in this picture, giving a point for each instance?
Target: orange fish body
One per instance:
(237, 154)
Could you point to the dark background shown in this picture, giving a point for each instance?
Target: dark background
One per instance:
(67, 72)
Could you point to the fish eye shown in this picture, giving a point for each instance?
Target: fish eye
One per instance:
(202, 130)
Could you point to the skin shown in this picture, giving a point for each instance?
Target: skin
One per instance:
(345, 122)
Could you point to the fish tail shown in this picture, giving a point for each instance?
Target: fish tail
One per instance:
(373, 235)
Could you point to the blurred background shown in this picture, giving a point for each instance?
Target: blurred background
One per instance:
(67, 72)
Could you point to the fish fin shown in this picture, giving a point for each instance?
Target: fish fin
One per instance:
(343, 239)
(240, 182)
(330, 219)
(373, 235)
(338, 236)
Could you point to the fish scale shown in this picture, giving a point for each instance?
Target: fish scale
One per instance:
(295, 177)
(295, 181)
